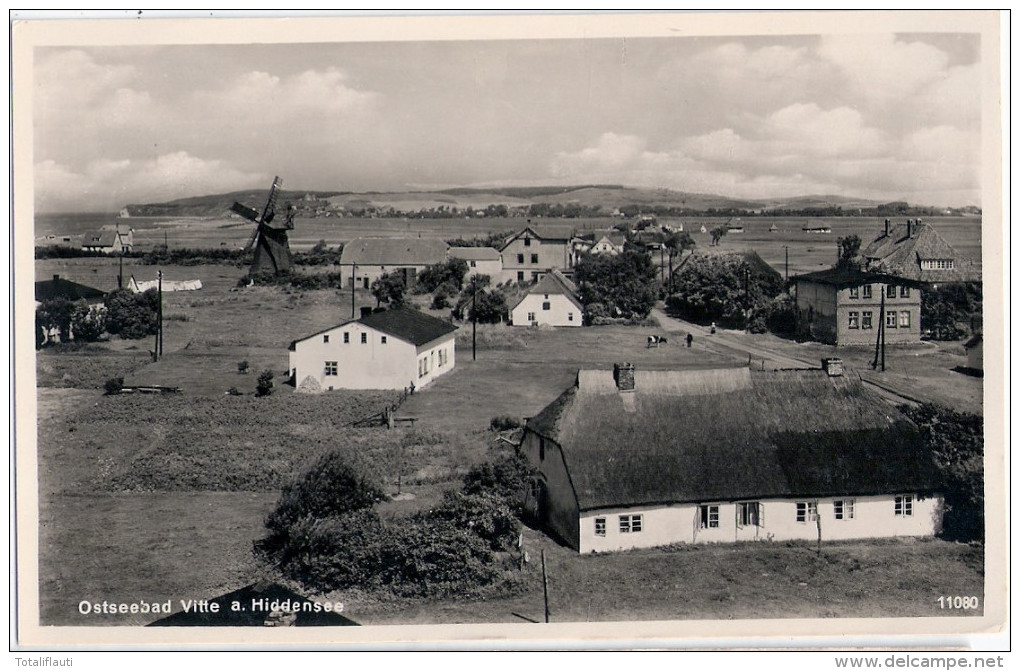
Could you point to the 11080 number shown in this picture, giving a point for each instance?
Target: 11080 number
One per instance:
(959, 602)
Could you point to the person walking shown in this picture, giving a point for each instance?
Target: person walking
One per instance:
(690, 339)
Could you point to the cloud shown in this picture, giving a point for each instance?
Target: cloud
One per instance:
(611, 152)
(166, 177)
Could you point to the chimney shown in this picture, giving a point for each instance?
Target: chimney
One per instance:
(832, 366)
(56, 278)
(623, 374)
(887, 227)
(365, 311)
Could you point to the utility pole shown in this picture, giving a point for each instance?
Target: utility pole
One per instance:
(545, 587)
(120, 273)
(787, 248)
(474, 317)
(159, 314)
(747, 298)
(880, 340)
(353, 266)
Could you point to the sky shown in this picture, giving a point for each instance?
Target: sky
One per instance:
(878, 116)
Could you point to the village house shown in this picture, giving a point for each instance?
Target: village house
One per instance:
(916, 251)
(367, 259)
(392, 349)
(527, 256)
(60, 287)
(631, 458)
(844, 307)
(480, 261)
(108, 240)
(600, 242)
(551, 302)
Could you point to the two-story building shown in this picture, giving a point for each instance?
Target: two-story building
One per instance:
(916, 251)
(393, 349)
(527, 255)
(847, 307)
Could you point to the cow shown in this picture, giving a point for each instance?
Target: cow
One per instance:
(655, 341)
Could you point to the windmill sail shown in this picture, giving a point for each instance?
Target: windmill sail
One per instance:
(272, 249)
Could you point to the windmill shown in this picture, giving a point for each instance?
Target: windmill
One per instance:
(272, 251)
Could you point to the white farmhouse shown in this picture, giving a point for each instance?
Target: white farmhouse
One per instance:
(480, 261)
(393, 349)
(551, 302)
(630, 459)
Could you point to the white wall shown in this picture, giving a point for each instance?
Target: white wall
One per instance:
(663, 525)
(494, 269)
(370, 365)
(560, 308)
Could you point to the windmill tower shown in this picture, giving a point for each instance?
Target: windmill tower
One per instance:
(272, 251)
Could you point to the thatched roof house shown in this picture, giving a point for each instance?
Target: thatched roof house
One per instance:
(685, 453)
(916, 251)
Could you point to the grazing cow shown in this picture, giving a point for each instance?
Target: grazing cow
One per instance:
(656, 340)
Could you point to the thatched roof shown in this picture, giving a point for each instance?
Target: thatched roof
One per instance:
(393, 252)
(689, 436)
(901, 254)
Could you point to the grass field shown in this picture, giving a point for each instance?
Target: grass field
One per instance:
(156, 497)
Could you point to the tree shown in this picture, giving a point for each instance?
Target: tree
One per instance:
(676, 244)
(389, 288)
(88, 322)
(946, 311)
(625, 284)
(726, 288)
(849, 253)
(718, 233)
(264, 385)
(489, 307)
(451, 271)
(131, 315)
(56, 313)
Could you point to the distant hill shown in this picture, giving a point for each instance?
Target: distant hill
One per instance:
(607, 197)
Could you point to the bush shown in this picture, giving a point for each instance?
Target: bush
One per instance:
(625, 284)
(721, 287)
(503, 423)
(486, 514)
(490, 307)
(505, 476)
(132, 316)
(946, 311)
(113, 386)
(264, 385)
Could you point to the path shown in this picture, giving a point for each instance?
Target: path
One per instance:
(735, 346)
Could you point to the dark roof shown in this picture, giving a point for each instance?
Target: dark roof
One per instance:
(716, 435)
(974, 341)
(842, 278)
(253, 616)
(99, 238)
(61, 288)
(404, 323)
(394, 252)
(549, 237)
(553, 282)
(900, 254)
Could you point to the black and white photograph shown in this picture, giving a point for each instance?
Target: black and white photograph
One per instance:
(612, 330)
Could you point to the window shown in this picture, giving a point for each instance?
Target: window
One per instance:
(904, 292)
(855, 292)
(854, 320)
(546, 305)
(364, 338)
(630, 524)
(903, 506)
(534, 258)
(890, 319)
(531, 316)
(347, 337)
(890, 291)
(904, 319)
(330, 368)
(520, 276)
(600, 526)
(866, 291)
(325, 338)
(423, 367)
(570, 316)
(709, 517)
(520, 258)
(382, 340)
(866, 319)
(749, 514)
(843, 509)
(807, 511)
(527, 242)
(473, 264)
(534, 276)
